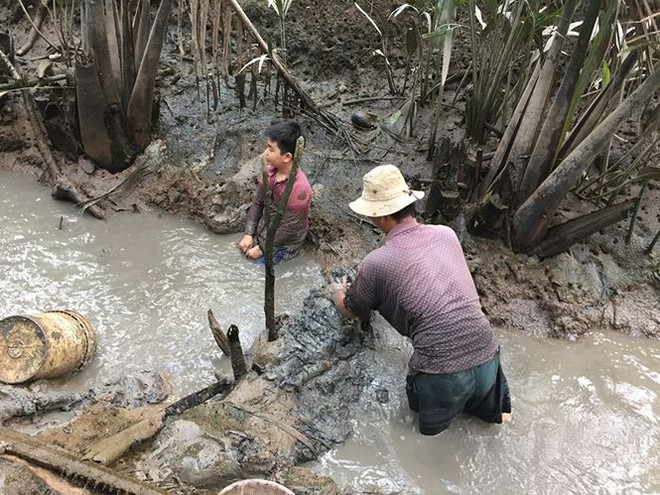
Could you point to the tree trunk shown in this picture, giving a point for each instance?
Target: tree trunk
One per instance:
(561, 237)
(140, 104)
(528, 132)
(532, 219)
(546, 148)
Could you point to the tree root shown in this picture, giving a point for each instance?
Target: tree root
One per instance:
(147, 163)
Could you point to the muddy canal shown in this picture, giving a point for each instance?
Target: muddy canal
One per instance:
(145, 282)
(585, 414)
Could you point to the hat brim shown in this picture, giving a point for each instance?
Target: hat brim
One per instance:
(383, 208)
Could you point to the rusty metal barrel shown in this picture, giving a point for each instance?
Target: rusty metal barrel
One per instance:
(44, 345)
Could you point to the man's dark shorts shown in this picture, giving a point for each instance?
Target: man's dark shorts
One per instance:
(481, 391)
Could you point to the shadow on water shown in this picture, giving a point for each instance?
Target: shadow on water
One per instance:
(585, 413)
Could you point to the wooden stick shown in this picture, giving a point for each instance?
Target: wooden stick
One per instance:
(54, 481)
(295, 433)
(236, 353)
(286, 75)
(34, 33)
(69, 466)
(218, 334)
(35, 27)
(61, 189)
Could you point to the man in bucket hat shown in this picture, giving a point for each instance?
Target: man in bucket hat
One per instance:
(420, 282)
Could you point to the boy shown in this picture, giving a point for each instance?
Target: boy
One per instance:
(291, 233)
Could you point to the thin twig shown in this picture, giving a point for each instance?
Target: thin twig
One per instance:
(34, 26)
(372, 98)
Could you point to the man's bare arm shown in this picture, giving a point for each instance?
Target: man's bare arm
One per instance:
(339, 298)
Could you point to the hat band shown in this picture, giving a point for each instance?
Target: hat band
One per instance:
(381, 198)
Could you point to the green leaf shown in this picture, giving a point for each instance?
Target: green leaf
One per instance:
(606, 73)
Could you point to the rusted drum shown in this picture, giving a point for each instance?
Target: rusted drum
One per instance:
(256, 487)
(44, 345)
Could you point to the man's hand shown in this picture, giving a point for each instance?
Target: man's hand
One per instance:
(337, 291)
(332, 288)
(254, 253)
(246, 243)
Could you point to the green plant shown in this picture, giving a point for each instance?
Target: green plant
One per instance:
(383, 51)
(538, 162)
(444, 23)
(501, 41)
(281, 7)
(115, 88)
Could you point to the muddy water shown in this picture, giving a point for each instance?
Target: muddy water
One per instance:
(586, 414)
(144, 281)
(585, 421)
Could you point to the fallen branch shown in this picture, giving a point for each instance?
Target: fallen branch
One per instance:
(298, 435)
(69, 466)
(236, 353)
(35, 32)
(373, 98)
(22, 402)
(113, 447)
(149, 161)
(33, 83)
(329, 119)
(52, 480)
(307, 100)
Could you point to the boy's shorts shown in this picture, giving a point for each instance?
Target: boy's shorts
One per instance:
(281, 254)
(481, 391)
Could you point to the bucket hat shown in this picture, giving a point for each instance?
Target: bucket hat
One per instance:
(384, 191)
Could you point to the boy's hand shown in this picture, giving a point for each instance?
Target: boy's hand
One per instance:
(246, 243)
(254, 253)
